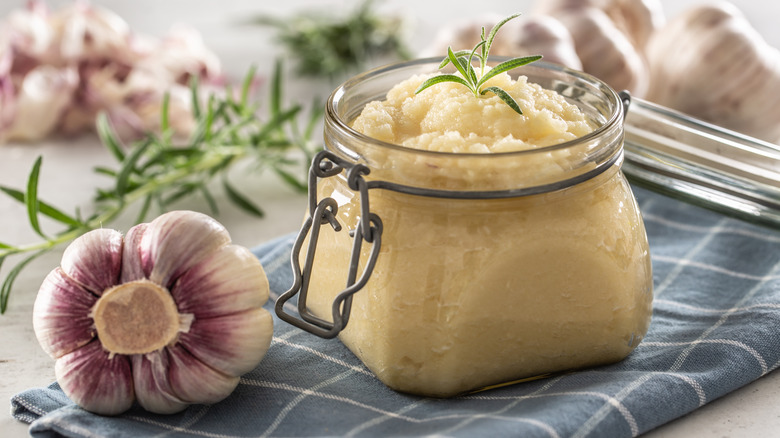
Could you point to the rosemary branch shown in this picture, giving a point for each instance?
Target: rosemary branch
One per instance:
(328, 46)
(158, 170)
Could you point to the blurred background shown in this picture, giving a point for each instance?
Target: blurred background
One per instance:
(223, 24)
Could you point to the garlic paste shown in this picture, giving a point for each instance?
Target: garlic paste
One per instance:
(469, 293)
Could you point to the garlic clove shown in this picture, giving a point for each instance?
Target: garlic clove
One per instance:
(546, 35)
(152, 387)
(44, 94)
(638, 19)
(178, 240)
(233, 344)
(61, 315)
(605, 51)
(182, 53)
(231, 280)
(94, 260)
(95, 381)
(30, 31)
(90, 31)
(133, 265)
(195, 382)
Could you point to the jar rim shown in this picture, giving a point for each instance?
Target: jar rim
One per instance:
(615, 117)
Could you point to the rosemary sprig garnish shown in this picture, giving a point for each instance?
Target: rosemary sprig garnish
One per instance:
(462, 60)
(324, 45)
(156, 170)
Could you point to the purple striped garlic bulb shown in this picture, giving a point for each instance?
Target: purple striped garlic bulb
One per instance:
(168, 315)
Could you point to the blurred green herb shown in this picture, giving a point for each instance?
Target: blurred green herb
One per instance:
(157, 170)
(462, 60)
(323, 45)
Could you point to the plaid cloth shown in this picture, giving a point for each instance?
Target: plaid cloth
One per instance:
(716, 327)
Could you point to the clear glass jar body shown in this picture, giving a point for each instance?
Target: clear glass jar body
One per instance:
(506, 266)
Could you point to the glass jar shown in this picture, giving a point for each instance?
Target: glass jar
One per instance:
(455, 272)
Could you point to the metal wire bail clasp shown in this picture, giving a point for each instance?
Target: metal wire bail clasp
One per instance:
(369, 229)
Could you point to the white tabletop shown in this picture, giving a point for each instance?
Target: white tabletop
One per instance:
(68, 181)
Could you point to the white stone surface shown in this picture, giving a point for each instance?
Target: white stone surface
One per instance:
(68, 181)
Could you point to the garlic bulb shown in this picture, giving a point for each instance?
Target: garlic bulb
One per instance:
(610, 36)
(636, 19)
(83, 59)
(169, 315)
(711, 63)
(605, 51)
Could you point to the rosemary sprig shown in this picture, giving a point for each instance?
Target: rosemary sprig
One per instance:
(158, 171)
(462, 60)
(324, 45)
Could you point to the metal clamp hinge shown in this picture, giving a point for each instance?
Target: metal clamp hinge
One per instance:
(369, 229)
(625, 100)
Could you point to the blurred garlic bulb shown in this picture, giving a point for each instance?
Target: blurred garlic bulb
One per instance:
(181, 54)
(606, 52)
(88, 31)
(30, 33)
(711, 63)
(43, 96)
(169, 315)
(547, 35)
(117, 71)
(524, 36)
(610, 37)
(636, 19)
(132, 100)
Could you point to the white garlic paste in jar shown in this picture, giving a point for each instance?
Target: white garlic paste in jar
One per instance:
(469, 293)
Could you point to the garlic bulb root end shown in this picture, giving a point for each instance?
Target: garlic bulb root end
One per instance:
(136, 318)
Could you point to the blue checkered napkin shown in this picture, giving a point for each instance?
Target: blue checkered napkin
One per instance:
(716, 327)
